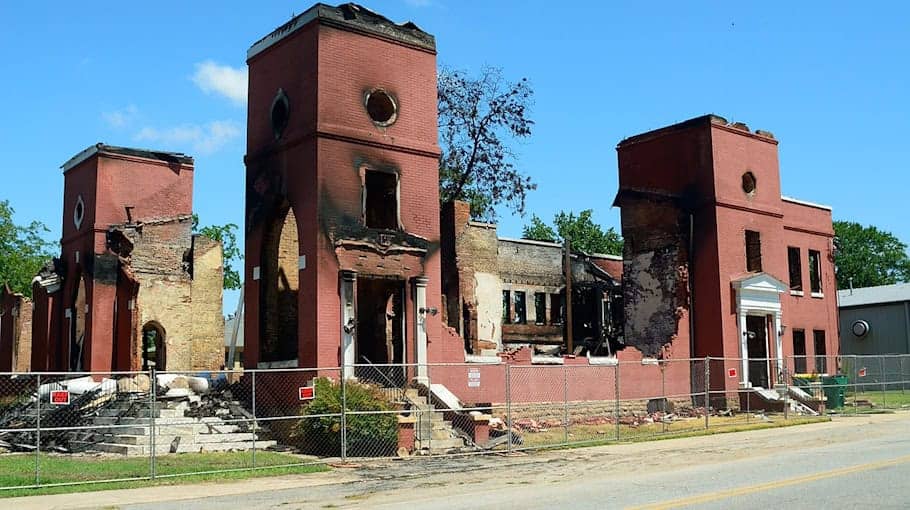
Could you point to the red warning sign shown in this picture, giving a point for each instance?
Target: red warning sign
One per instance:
(862, 372)
(60, 397)
(731, 373)
(306, 392)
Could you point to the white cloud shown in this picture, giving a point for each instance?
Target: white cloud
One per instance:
(120, 118)
(226, 81)
(203, 139)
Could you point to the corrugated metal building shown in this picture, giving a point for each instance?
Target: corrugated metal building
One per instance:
(875, 320)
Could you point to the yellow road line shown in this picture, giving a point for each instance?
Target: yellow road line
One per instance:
(741, 491)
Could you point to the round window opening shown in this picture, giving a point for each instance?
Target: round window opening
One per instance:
(749, 182)
(79, 212)
(280, 113)
(381, 107)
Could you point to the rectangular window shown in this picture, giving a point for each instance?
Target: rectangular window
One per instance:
(753, 251)
(555, 308)
(521, 310)
(380, 200)
(815, 272)
(506, 307)
(796, 269)
(821, 365)
(799, 351)
(540, 308)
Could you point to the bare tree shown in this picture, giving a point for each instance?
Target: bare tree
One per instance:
(479, 119)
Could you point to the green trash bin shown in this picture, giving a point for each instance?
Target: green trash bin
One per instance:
(835, 390)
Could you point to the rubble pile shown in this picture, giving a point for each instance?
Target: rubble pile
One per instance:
(117, 416)
(524, 424)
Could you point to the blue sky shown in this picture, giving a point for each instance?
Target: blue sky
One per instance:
(829, 79)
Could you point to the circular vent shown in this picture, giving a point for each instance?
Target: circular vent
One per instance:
(860, 328)
(381, 107)
(749, 183)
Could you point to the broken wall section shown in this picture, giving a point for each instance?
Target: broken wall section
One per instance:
(15, 331)
(180, 279)
(207, 292)
(655, 271)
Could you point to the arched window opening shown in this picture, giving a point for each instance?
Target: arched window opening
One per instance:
(153, 347)
(279, 285)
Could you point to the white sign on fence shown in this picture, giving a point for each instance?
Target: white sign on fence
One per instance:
(474, 378)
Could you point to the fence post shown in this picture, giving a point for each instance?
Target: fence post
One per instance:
(786, 376)
(509, 405)
(565, 402)
(884, 394)
(707, 389)
(255, 419)
(153, 430)
(616, 397)
(344, 419)
(665, 402)
(38, 432)
(855, 371)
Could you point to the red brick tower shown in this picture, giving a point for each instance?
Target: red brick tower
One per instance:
(85, 301)
(342, 207)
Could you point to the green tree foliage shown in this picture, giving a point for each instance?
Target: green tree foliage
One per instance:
(227, 236)
(585, 235)
(869, 256)
(479, 119)
(372, 426)
(23, 250)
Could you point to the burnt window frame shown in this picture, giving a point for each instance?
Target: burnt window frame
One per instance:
(821, 358)
(800, 363)
(507, 307)
(557, 307)
(795, 269)
(752, 239)
(815, 273)
(521, 306)
(540, 308)
(365, 198)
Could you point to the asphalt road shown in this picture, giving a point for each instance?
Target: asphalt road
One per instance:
(855, 462)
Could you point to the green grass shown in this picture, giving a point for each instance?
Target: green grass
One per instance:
(19, 469)
(890, 399)
(591, 435)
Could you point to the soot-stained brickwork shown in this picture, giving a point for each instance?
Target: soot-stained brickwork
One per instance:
(129, 265)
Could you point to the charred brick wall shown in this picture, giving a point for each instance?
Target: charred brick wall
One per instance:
(655, 272)
(15, 331)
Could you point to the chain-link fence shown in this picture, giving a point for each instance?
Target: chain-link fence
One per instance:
(69, 428)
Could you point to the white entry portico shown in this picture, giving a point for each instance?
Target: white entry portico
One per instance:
(758, 294)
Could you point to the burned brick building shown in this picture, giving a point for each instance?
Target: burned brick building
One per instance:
(342, 203)
(716, 261)
(505, 293)
(15, 331)
(133, 287)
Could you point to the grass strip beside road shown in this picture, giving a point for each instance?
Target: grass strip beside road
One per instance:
(88, 472)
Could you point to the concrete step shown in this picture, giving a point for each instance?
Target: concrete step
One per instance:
(134, 439)
(143, 420)
(195, 428)
(440, 444)
(162, 449)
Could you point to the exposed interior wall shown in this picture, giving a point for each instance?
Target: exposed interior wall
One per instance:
(487, 307)
(79, 333)
(655, 272)
(22, 345)
(279, 287)
(206, 292)
(15, 331)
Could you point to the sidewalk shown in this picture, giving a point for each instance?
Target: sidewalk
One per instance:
(668, 453)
